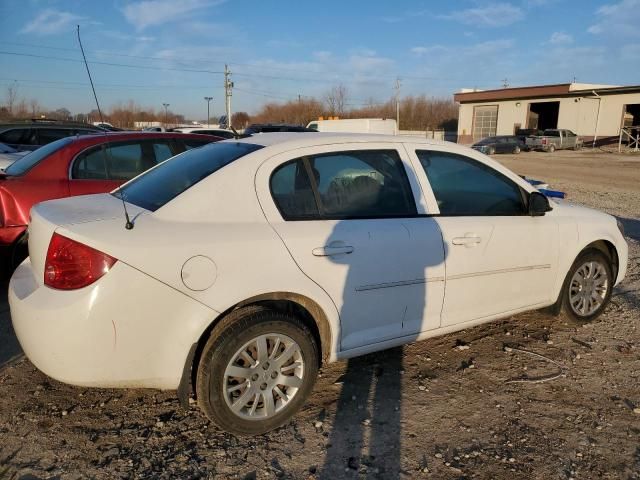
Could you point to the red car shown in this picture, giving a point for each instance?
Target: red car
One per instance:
(80, 165)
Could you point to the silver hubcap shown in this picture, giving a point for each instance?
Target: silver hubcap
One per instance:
(588, 289)
(263, 376)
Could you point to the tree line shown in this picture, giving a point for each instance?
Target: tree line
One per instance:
(416, 112)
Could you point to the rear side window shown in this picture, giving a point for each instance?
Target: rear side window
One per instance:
(292, 191)
(465, 187)
(119, 161)
(23, 164)
(15, 136)
(355, 184)
(162, 184)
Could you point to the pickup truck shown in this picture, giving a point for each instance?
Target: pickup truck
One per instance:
(554, 139)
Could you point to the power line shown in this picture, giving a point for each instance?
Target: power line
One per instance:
(243, 64)
(94, 62)
(104, 85)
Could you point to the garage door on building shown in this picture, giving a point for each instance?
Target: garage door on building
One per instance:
(485, 121)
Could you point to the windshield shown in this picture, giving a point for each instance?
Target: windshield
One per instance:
(486, 141)
(30, 160)
(160, 185)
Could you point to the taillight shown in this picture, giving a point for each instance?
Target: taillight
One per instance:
(71, 265)
(544, 141)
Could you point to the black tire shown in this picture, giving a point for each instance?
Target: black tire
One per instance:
(227, 338)
(551, 149)
(516, 150)
(491, 151)
(591, 255)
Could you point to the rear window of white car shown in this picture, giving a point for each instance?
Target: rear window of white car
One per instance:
(162, 184)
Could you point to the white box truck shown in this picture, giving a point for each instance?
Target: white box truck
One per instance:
(385, 126)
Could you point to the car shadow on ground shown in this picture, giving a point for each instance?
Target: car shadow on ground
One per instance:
(631, 227)
(9, 347)
(367, 431)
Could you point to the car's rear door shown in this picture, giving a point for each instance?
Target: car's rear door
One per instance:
(499, 259)
(104, 167)
(349, 216)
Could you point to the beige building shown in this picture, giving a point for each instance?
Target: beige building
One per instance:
(591, 111)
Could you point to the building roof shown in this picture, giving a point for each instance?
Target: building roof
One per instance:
(541, 91)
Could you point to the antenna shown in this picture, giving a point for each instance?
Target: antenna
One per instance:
(129, 224)
(236, 135)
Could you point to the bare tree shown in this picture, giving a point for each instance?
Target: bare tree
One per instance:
(35, 107)
(336, 99)
(12, 96)
(240, 119)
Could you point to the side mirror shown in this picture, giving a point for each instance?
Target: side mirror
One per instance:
(538, 204)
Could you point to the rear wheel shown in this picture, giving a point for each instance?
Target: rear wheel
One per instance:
(551, 149)
(256, 370)
(516, 149)
(587, 288)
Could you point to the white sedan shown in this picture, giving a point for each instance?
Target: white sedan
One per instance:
(249, 263)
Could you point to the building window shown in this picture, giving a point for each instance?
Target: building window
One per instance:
(485, 121)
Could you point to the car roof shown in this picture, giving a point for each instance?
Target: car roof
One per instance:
(309, 139)
(64, 126)
(115, 136)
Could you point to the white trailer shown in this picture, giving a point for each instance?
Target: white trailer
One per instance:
(385, 126)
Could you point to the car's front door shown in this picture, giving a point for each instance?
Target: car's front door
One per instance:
(499, 259)
(350, 221)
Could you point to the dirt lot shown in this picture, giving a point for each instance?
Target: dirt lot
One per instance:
(435, 409)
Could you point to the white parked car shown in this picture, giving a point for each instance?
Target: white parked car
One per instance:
(251, 262)
(218, 132)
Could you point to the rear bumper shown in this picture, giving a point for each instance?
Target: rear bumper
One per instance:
(125, 330)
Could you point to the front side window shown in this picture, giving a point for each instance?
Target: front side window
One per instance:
(465, 187)
(162, 151)
(356, 184)
(48, 135)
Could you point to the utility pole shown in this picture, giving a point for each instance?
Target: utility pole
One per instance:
(397, 89)
(228, 86)
(208, 99)
(165, 105)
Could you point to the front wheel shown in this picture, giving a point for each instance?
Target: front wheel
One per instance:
(587, 289)
(516, 149)
(491, 151)
(256, 370)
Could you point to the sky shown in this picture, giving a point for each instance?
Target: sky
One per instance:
(174, 51)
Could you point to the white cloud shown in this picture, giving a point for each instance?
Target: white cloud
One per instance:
(490, 15)
(560, 38)
(50, 22)
(488, 48)
(150, 13)
(618, 19)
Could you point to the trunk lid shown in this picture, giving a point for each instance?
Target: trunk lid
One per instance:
(47, 217)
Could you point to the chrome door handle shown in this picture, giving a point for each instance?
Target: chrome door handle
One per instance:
(469, 240)
(329, 251)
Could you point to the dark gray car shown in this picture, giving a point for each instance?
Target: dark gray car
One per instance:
(30, 136)
(500, 144)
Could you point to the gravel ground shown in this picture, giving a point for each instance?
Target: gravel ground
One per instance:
(443, 408)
